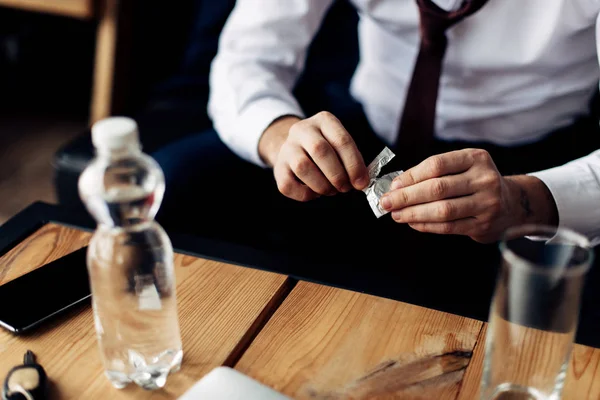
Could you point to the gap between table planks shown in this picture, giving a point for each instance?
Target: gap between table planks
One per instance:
(221, 308)
(321, 343)
(328, 343)
(331, 344)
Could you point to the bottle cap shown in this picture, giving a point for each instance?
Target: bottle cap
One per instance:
(115, 133)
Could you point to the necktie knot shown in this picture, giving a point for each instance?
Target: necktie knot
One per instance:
(435, 20)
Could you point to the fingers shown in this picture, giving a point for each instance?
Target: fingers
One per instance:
(322, 154)
(333, 150)
(454, 193)
(427, 191)
(306, 170)
(460, 227)
(439, 211)
(436, 166)
(320, 151)
(290, 187)
(346, 149)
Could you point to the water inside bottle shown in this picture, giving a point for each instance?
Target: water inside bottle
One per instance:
(133, 292)
(130, 260)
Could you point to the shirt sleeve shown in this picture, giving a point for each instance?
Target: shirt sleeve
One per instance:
(262, 50)
(576, 190)
(575, 186)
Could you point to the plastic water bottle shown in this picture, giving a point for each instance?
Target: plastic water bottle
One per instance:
(130, 260)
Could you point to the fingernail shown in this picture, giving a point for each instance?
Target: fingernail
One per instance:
(396, 185)
(361, 182)
(346, 188)
(396, 216)
(386, 203)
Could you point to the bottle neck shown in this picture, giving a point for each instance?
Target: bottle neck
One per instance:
(123, 152)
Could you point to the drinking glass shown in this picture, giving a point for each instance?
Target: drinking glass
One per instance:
(534, 313)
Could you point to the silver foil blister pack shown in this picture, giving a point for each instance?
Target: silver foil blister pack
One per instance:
(378, 186)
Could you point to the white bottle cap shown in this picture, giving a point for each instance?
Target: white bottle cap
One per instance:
(115, 133)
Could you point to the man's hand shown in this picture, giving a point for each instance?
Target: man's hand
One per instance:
(463, 193)
(313, 157)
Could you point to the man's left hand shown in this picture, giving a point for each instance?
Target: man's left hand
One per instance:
(463, 193)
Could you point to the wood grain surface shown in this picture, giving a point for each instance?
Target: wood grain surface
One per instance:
(105, 60)
(583, 377)
(48, 243)
(220, 308)
(83, 9)
(469, 390)
(328, 343)
(317, 343)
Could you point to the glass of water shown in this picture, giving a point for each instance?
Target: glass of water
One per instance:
(534, 313)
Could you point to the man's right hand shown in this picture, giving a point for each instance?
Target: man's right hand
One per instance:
(312, 157)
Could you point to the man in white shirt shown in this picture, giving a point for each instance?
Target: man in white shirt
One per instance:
(514, 72)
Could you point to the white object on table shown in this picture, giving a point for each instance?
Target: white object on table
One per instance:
(224, 383)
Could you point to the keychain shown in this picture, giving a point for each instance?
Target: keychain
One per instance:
(27, 381)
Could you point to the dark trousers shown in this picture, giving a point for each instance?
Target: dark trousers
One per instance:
(210, 191)
(213, 193)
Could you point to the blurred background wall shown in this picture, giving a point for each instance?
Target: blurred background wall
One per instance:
(45, 71)
(66, 63)
(49, 61)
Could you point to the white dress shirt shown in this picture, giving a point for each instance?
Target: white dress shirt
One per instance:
(513, 72)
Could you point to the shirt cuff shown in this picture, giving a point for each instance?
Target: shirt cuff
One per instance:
(253, 121)
(576, 192)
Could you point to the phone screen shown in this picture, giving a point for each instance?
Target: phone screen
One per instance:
(28, 300)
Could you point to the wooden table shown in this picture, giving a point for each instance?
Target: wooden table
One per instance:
(306, 340)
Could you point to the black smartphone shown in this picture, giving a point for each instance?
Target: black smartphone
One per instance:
(44, 293)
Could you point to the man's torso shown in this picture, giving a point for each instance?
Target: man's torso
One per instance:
(513, 72)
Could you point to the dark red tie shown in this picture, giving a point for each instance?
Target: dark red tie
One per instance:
(417, 124)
